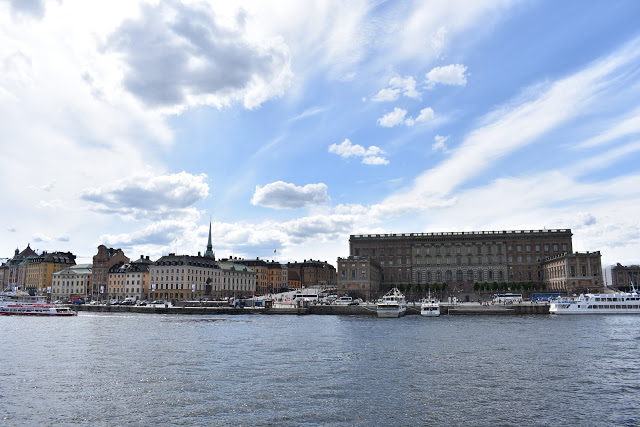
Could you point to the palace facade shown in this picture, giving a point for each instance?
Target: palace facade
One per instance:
(461, 259)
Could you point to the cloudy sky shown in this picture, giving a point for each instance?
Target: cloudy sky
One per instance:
(293, 124)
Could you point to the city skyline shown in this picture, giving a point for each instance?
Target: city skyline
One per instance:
(292, 126)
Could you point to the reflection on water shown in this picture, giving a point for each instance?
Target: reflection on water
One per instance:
(135, 369)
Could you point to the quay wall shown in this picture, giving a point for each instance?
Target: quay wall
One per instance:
(344, 310)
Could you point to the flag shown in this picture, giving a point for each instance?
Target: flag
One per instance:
(274, 251)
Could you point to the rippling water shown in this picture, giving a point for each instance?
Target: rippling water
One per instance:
(137, 369)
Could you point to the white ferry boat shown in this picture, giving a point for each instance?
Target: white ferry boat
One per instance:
(392, 304)
(430, 307)
(615, 303)
(23, 305)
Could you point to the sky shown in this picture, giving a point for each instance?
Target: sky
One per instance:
(291, 125)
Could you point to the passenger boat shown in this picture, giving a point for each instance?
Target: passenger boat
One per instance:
(22, 305)
(430, 307)
(614, 303)
(392, 304)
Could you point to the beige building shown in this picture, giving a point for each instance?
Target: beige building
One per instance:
(461, 259)
(72, 283)
(129, 280)
(359, 277)
(179, 277)
(573, 272)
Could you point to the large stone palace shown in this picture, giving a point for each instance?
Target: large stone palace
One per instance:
(461, 259)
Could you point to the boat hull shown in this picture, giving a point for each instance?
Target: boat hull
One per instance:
(385, 312)
(430, 313)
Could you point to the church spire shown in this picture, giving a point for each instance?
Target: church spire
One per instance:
(209, 253)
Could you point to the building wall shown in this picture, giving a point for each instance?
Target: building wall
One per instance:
(573, 272)
(461, 258)
(622, 276)
(314, 273)
(102, 262)
(359, 277)
(72, 281)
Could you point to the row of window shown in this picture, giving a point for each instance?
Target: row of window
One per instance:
(458, 249)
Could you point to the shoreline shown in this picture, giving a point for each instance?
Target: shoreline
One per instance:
(336, 310)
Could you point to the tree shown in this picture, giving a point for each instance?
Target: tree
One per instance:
(494, 286)
(477, 287)
(408, 287)
(503, 286)
(418, 288)
(401, 287)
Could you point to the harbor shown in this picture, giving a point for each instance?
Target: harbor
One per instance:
(364, 309)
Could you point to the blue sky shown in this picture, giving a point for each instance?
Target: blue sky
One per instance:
(291, 125)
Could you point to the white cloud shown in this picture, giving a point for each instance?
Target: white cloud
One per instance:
(310, 112)
(387, 94)
(512, 128)
(148, 195)
(426, 114)
(282, 195)
(453, 74)
(625, 126)
(370, 156)
(440, 143)
(394, 118)
(178, 55)
(397, 86)
(397, 117)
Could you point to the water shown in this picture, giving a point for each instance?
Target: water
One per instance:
(137, 369)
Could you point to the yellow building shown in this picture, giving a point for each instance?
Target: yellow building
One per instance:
(38, 270)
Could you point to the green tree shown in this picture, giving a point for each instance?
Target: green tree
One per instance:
(494, 286)
(409, 287)
(418, 288)
(477, 287)
(400, 287)
(503, 286)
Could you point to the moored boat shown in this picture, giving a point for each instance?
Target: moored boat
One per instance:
(430, 307)
(613, 303)
(24, 305)
(392, 304)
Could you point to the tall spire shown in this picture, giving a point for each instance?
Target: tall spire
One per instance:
(209, 253)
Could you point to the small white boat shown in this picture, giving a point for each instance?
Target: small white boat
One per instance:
(614, 303)
(430, 307)
(392, 304)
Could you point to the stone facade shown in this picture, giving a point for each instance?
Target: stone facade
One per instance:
(359, 277)
(129, 280)
(72, 283)
(102, 262)
(314, 273)
(461, 259)
(38, 270)
(573, 272)
(618, 275)
(14, 274)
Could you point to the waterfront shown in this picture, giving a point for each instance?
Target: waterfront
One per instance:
(137, 369)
